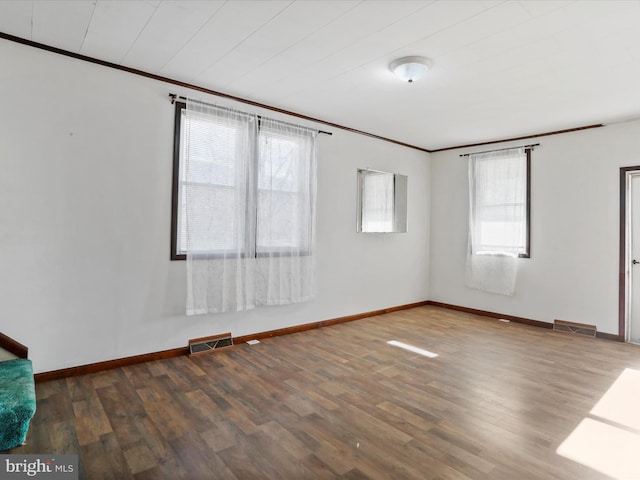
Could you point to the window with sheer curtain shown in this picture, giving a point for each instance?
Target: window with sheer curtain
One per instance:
(244, 208)
(499, 189)
(498, 218)
(377, 201)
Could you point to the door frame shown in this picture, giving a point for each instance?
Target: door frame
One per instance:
(624, 297)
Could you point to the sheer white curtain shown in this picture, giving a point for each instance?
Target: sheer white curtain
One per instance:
(285, 236)
(377, 201)
(249, 192)
(218, 152)
(497, 219)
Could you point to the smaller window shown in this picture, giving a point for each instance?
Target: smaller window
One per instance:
(382, 202)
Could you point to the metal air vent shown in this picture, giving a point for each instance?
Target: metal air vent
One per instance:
(572, 327)
(209, 344)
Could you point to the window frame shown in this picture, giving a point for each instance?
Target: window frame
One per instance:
(527, 252)
(251, 249)
(175, 182)
(527, 246)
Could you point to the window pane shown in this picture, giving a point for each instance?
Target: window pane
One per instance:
(282, 222)
(212, 146)
(284, 201)
(220, 217)
(278, 168)
(213, 182)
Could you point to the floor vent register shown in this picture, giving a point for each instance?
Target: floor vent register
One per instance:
(573, 327)
(201, 345)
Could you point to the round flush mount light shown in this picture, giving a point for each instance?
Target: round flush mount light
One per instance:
(410, 69)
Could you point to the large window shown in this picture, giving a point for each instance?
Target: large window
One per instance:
(500, 196)
(254, 177)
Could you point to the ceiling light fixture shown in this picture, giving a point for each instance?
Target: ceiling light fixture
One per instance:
(410, 69)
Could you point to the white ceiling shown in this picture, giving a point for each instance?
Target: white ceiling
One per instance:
(501, 68)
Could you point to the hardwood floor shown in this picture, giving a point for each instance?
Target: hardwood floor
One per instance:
(339, 402)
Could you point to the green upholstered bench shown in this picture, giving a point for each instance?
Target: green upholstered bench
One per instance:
(17, 401)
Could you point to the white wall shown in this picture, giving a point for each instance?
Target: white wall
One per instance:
(573, 270)
(85, 204)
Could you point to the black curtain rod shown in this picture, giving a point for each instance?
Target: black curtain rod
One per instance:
(500, 149)
(175, 97)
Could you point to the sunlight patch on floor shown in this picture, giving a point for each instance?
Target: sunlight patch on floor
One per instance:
(620, 403)
(609, 440)
(413, 349)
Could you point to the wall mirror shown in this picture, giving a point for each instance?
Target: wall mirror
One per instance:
(382, 202)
